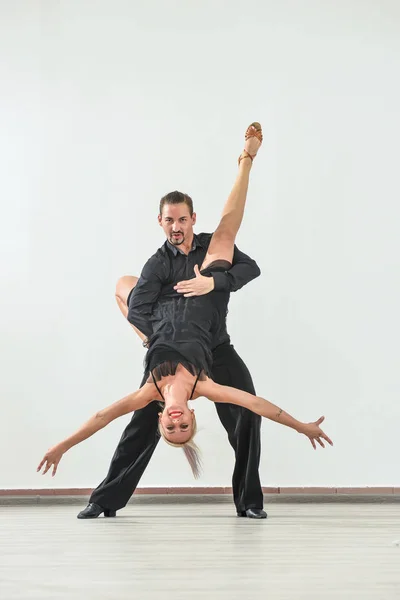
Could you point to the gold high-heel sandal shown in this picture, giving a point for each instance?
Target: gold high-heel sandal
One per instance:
(253, 130)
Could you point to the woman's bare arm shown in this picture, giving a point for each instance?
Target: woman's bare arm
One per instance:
(223, 393)
(103, 417)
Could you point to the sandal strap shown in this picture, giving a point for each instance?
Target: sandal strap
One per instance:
(257, 133)
(253, 130)
(248, 155)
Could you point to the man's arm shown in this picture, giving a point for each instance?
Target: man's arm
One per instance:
(244, 269)
(145, 295)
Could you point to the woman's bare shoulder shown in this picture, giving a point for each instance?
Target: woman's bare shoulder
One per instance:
(150, 393)
(204, 387)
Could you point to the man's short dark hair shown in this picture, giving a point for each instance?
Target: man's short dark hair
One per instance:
(177, 198)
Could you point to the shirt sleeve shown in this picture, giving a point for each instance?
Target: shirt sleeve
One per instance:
(244, 269)
(145, 295)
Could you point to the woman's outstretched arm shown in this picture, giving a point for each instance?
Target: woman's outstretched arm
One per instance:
(102, 418)
(223, 393)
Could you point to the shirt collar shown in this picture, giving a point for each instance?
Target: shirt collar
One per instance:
(175, 249)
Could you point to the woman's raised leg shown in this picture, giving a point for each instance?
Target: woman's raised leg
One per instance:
(124, 287)
(222, 242)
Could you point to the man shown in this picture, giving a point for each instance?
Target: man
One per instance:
(175, 262)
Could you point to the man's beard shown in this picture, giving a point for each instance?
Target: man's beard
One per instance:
(177, 242)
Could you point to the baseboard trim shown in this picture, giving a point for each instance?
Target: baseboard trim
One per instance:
(203, 491)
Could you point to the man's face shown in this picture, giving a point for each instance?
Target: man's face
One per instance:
(177, 223)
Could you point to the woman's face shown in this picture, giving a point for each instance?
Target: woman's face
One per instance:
(177, 423)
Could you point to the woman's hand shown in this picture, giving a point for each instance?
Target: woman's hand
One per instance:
(315, 433)
(51, 459)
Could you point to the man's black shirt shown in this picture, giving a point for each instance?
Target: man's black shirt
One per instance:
(166, 268)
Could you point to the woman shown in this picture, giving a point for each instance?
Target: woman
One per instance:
(179, 350)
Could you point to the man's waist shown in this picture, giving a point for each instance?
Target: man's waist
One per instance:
(222, 339)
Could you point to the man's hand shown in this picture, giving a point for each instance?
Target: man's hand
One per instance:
(199, 286)
(51, 459)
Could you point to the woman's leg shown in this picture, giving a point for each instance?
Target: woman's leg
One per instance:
(122, 291)
(123, 288)
(222, 242)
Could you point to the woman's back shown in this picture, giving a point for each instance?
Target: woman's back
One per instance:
(187, 326)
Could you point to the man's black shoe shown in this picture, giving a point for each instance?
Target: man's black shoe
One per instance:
(253, 513)
(92, 511)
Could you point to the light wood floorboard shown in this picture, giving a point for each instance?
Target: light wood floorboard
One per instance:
(193, 551)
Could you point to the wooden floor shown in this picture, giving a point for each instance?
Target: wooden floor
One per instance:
(191, 551)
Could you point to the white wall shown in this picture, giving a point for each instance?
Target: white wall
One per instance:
(106, 106)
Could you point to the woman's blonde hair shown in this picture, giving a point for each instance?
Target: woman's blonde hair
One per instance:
(190, 448)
